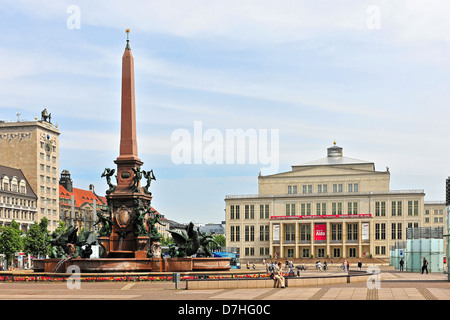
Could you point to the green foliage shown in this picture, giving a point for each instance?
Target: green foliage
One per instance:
(61, 227)
(11, 240)
(35, 239)
(220, 239)
(166, 241)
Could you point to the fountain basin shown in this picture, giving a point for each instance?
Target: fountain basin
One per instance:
(133, 265)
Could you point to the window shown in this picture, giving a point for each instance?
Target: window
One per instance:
(290, 209)
(352, 208)
(413, 208)
(380, 231)
(352, 187)
(336, 232)
(321, 209)
(232, 233)
(396, 208)
(249, 233)
(352, 252)
(336, 208)
(305, 232)
(320, 252)
(336, 252)
(250, 211)
(290, 253)
(337, 187)
(292, 189)
(305, 209)
(305, 253)
(380, 208)
(264, 211)
(289, 232)
(263, 233)
(322, 188)
(307, 188)
(352, 231)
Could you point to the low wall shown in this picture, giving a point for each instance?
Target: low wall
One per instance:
(133, 264)
(269, 283)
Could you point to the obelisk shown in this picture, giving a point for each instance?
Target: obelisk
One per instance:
(128, 201)
(128, 158)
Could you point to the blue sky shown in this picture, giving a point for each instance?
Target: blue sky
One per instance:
(372, 75)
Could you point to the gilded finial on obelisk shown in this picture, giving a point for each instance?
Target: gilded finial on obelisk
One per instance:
(128, 39)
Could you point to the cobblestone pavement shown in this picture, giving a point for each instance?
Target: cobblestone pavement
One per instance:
(393, 286)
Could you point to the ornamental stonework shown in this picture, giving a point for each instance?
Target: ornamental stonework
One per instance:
(16, 135)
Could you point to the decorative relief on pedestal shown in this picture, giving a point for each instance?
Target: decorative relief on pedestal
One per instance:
(123, 216)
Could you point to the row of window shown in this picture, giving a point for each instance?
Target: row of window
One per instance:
(397, 208)
(43, 146)
(323, 208)
(249, 211)
(47, 168)
(306, 252)
(13, 185)
(16, 214)
(48, 190)
(435, 220)
(249, 233)
(435, 212)
(323, 188)
(337, 208)
(47, 157)
(305, 232)
(17, 201)
(48, 179)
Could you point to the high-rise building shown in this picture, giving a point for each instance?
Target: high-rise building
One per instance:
(33, 147)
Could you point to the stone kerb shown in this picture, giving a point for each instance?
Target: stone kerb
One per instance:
(233, 283)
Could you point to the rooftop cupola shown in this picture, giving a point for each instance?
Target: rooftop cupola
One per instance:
(334, 151)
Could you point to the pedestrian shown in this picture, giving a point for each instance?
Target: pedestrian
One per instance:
(345, 265)
(325, 266)
(278, 276)
(348, 266)
(425, 265)
(359, 264)
(401, 264)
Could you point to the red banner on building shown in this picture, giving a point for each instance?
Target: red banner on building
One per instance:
(337, 216)
(320, 231)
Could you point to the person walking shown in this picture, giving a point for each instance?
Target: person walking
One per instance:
(425, 265)
(401, 264)
(278, 276)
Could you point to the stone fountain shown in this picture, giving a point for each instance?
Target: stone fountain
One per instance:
(128, 237)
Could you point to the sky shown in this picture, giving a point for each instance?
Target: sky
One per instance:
(293, 76)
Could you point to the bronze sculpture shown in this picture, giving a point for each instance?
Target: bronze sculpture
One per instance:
(108, 173)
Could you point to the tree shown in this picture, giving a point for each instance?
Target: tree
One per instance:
(220, 239)
(35, 242)
(11, 240)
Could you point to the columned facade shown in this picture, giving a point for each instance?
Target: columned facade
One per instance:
(334, 207)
